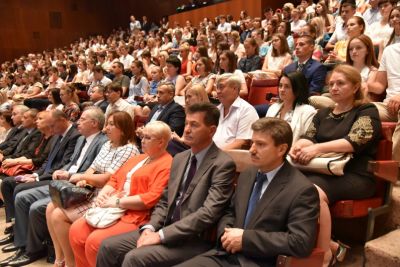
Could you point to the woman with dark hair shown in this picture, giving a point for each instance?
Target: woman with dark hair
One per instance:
(284, 28)
(252, 61)
(394, 22)
(173, 68)
(278, 56)
(221, 46)
(167, 43)
(70, 100)
(204, 77)
(323, 12)
(381, 31)
(72, 70)
(228, 64)
(6, 123)
(348, 127)
(139, 85)
(55, 99)
(293, 103)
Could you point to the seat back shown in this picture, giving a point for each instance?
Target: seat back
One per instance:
(139, 121)
(261, 91)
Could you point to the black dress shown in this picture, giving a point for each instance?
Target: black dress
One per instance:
(361, 127)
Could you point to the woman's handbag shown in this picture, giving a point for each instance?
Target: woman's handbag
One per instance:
(17, 169)
(66, 194)
(328, 163)
(99, 217)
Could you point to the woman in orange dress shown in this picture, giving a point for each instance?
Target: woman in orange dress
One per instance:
(136, 187)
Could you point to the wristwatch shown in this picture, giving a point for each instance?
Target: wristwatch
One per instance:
(117, 202)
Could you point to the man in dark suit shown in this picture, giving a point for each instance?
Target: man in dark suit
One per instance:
(274, 210)
(198, 191)
(30, 205)
(314, 71)
(27, 145)
(60, 154)
(16, 134)
(167, 110)
(98, 97)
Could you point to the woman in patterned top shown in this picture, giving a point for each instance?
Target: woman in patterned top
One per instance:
(113, 154)
(348, 127)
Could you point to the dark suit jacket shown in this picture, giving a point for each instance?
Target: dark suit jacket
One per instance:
(103, 105)
(283, 222)
(315, 73)
(63, 155)
(13, 139)
(173, 115)
(90, 155)
(206, 198)
(28, 145)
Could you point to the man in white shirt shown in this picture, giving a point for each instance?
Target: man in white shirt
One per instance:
(98, 79)
(347, 10)
(224, 26)
(116, 102)
(125, 57)
(372, 14)
(296, 23)
(236, 115)
(388, 79)
(134, 24)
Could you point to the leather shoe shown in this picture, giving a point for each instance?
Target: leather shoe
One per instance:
(8, 230)
(7, 240)
(9, 248)
(24, 259)
(18, 253)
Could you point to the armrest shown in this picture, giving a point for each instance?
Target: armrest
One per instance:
(314, 260)
(387, 170)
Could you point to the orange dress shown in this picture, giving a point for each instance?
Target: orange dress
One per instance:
(148, 182)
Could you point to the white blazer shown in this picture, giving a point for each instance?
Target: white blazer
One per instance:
(301, 119)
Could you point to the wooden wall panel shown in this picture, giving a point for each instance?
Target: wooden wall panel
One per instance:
(25, 24)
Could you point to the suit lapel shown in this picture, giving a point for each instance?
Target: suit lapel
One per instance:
(274, 188)
(173, 188)
(90, 148)
(243, 195)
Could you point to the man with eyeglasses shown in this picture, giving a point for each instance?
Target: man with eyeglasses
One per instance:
(114, 94)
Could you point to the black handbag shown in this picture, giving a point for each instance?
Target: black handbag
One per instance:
(66, 194)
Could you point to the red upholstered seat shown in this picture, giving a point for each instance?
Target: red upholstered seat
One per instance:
(386, 172)
(260, 90)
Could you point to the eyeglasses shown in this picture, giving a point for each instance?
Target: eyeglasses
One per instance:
(149, 138)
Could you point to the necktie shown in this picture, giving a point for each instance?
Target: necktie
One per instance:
(176, 215)
(21, 143)
(81, 154)
(53, 154)
(255, 196)
(300, 67)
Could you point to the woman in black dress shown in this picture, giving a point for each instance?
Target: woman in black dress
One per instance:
(349, 127)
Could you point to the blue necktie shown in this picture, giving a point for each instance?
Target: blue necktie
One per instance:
(255, 196)
(53, 154)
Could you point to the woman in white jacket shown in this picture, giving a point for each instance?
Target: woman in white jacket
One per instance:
(293, 103)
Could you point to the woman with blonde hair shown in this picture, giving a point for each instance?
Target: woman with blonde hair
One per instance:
(327, 18)
(235, 45)
(349, 127)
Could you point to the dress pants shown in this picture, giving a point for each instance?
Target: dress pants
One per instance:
(26, 202)
(7, 189)
(85, 240)
(121, 250)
